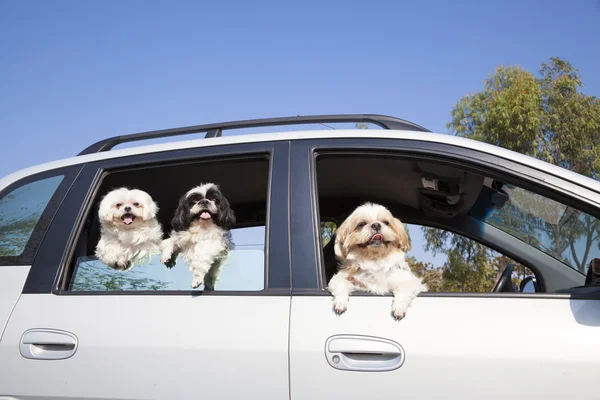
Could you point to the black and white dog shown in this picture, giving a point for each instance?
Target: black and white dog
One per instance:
(200, 232)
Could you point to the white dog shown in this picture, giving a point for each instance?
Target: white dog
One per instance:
(129, 232)
(370, 249)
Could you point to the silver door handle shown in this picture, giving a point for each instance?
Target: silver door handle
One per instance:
(48, 344)
(363, 353)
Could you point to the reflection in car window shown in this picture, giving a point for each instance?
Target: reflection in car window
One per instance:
(565, 233)
(20, 211)
(244, 270)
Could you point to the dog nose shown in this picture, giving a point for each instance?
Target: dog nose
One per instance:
(376, 226)
(203, 202)
(127, 209)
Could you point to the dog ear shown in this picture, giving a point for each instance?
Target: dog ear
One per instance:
(340, 237)
(403, 241)
(226, 215)
(105, 210)
(150, 209)
(181, 219)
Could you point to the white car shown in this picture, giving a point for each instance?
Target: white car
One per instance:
(73, 328)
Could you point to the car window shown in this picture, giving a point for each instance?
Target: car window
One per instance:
(562, 232)
(244, 265)
(453, 263)
(20, 211)
(243, 271)
(432, 193)
(327, 230)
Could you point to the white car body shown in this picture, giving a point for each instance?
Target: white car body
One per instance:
(274, 346)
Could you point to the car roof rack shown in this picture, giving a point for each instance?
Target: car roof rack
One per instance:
(216, 130)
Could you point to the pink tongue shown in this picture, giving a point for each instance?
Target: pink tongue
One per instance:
(377, 237)
(128, 220)
(205, 215)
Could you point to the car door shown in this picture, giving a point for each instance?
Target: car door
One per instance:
(27, 206)
(82, 330)
(463, 345)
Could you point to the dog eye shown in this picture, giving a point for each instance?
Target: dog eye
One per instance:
(136, 204)
(119, 205)
(361, 224)
(387, 223)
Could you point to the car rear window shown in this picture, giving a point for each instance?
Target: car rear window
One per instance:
(20, 212)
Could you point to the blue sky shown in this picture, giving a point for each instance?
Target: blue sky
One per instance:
(74, 72)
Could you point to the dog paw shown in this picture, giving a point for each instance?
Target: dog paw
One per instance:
(398, 315)
(169, 262)
(340, 306)
(196, 283)
(123, 265)
(398, 311)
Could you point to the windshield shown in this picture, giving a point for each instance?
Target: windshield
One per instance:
(562, 232)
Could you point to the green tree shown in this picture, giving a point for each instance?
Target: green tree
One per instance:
(546, 117)
(431, 275)
(469, 266)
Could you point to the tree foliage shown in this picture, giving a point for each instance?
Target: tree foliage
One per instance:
(469, 266)
(431, 275)
(546, 117)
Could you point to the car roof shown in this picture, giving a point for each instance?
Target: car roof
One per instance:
(314, 135)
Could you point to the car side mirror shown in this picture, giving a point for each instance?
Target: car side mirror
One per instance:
(528, 285)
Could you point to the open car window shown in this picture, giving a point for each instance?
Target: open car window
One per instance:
(244, 262)
(486, 230)
(452, 263)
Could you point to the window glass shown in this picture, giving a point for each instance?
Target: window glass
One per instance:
(244, 270)
(562, 232)
(20, 211)
(454, 263)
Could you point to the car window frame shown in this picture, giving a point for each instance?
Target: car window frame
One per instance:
(50, 274)
(43, 223)
(309, 264)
